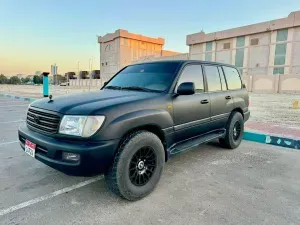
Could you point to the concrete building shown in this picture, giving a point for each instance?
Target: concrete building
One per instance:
(122, 48)
(267, 48)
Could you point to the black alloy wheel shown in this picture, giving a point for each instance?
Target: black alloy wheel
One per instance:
(236, 130)
(142, 166)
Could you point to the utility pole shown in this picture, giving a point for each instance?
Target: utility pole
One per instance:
(78, 69)
(90, 73)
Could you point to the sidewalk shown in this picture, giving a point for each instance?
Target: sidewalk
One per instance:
(274, 130)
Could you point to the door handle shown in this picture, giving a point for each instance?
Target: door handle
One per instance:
(228, 97)
(205, 101)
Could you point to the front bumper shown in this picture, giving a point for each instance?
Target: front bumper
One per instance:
(95, 157)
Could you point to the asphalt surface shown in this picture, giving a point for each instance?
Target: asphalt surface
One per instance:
(254, 184)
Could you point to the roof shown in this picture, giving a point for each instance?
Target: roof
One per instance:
(124, 33)
(186, 61)
(292, 20)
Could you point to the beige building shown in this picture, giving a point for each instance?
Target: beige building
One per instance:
(122, 48)
(259, 50)
(271, 47)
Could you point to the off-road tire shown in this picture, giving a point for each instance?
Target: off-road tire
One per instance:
(229, 141)
(117, 177)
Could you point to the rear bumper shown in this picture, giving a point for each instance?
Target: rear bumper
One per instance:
(246, 116)
(95, 157)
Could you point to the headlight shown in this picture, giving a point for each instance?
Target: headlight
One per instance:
(83, 126)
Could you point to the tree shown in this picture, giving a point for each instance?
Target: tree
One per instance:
(3, 79)
(14, 80)
(27, 79)
(37, 79)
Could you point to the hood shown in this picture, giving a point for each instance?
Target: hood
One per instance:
(90, 103)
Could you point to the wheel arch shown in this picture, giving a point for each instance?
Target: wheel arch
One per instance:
(153, 128)
(238, 110)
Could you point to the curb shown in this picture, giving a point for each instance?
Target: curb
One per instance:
(248, 135)
(272, 140)
(18, 97)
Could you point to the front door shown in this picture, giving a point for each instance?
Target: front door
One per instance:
(191, 112)
(220, 97)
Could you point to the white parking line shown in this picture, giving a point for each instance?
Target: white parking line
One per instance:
(6, 102)
(7, 143)
(49, 196)
(16, 121)
(12, 111)
(6, 106)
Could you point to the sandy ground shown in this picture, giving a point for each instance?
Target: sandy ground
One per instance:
(273, 109)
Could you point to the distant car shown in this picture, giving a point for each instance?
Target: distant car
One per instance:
(65, 84)
(143, 116)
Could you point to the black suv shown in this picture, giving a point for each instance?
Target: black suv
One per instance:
(142, 116)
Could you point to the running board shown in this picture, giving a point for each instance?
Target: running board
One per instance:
(196, 141)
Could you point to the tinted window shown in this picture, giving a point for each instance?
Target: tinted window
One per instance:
(233, 78)
(153, 76)
(213, 78)
(192, 73)
(223, 82)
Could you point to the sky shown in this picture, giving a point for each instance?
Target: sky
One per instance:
(34, 34)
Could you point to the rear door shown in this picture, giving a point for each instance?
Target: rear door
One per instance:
(239, 94)
(220, 97)
(191, 112)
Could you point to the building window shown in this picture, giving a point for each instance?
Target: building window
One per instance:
(254, 41)
(280, 53)
(226, 45)
(208, 56)
(106, 63)
(240, 42)
(278, 70)
(239, 57)
(102, 64)
(282, 35)
(208, 46)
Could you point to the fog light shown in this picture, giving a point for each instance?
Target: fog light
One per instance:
(70, 156)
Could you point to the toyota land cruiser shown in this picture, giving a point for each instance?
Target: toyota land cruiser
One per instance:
(139, 119)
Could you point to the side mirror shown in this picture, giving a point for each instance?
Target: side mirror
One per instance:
(186, 88)
(105, 83)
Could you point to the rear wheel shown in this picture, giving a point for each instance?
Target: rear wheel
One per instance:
(137, 167)
(234, 131)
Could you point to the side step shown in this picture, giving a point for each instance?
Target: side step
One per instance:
(196, 141)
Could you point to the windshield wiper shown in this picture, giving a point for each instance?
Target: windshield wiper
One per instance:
(113, 87)
(136, 88)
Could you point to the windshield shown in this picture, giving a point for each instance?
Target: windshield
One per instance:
(145, 77)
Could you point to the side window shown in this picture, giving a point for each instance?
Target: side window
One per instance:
(223, 82)
(233, 78)
(213, 78)
(192, 73)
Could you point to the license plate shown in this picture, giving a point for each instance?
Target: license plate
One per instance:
(30, 148)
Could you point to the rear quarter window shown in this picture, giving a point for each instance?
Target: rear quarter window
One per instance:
(233, 78)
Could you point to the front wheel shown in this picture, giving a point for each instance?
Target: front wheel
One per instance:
(137, 166)
(234, 131)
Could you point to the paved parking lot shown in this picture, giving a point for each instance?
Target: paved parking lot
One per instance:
(254, 184)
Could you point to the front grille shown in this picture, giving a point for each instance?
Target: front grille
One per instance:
(43, 120)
